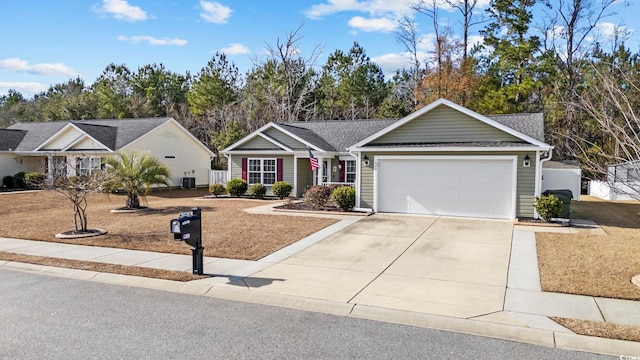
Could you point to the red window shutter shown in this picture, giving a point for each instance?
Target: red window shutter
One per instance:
(244, 169)
(341, 171)
(280, 169)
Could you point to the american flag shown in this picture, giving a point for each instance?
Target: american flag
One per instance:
(313, 161)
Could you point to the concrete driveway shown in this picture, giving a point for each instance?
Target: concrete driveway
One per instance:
(446, 266)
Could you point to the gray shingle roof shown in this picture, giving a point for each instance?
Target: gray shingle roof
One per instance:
(10, 139)
(114, 134)
(526, 123)
(336, 135)
(564, 164)
(486, 144)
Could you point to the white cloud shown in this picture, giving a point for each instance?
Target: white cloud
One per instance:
(394, 61)
(26, 88)
(215, 12)
(611, 30)
(374, 24)
(121, 10)
(235, 49)
(152, 40)
(19, 65)
(372, 7)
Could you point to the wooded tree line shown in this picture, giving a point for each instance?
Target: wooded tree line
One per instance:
(553, 66)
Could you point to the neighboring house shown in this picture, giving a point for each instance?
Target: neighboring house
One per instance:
(623, 183)
(443, 159)
(77, 147)
(562, 175)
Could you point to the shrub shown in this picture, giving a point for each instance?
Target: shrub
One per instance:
(19, 180)
(9, 182)
(548, 206)
(281, 189)
(217, 189)
(317, 196)
(237, 187)
(257, 191)
(344, 197)
(33, 180)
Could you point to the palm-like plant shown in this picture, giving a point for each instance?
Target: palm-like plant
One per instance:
(135, 173)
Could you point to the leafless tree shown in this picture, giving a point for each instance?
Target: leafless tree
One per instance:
(465, 8)
(407, 35)
(615, 111)
(294, 78)
(76, 189)
(567, 33)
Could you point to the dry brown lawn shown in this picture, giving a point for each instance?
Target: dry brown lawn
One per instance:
(227, 231)
(101, 267)
(590, 264)
(600, 329)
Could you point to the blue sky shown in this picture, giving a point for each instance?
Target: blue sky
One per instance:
(50, 41)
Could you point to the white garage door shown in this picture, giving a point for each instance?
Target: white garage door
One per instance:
(476, 187)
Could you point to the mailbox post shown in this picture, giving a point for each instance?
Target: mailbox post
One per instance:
(188, 228)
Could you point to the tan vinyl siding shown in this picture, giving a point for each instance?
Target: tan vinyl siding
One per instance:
(259, 143)
(525, 191)
(285, 139)
(443, 124)
(305, 176)
(525, 195)
(366, 182)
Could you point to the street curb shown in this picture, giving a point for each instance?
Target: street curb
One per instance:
(565, 341)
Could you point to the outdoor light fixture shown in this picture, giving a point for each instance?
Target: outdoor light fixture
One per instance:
(527, 161)
(366, 160)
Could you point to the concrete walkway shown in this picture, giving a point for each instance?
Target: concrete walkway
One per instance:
(467, 275)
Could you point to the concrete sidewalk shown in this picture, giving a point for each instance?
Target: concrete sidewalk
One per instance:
(521, 315)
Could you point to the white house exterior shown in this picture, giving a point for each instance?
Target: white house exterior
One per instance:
(77, 147)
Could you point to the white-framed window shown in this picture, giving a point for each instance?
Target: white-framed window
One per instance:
(262, 171)
(350, 171)
(88, 165)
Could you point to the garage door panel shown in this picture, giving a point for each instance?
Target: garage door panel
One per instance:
(457, 187)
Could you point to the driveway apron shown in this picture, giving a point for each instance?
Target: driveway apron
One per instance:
(446, 266)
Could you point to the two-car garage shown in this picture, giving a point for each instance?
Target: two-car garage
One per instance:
(474, 186)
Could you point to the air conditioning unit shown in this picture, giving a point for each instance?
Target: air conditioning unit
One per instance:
(188, 182)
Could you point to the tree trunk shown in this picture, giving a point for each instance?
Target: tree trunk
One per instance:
(133, 202)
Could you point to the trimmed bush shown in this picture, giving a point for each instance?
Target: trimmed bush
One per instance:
(19, 180)
(344, 197)
(281, 189)
(548, 206)
(258, 191)
(217, 189)
(33, 180)
(317, 196)
(9, 182)
(237, 187)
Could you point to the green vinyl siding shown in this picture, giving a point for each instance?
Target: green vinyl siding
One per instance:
(287, 166)
(443, 125)
(285, 139)
(525, 191)
(258, 143)
(305, 176)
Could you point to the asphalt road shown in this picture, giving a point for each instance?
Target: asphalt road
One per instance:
(44, 317)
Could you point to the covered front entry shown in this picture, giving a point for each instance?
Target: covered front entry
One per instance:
(473, 186)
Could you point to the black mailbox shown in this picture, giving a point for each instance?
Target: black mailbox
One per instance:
(188, 228)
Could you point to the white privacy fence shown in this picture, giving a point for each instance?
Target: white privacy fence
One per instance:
(218, 177)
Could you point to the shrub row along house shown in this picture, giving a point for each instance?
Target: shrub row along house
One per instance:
(78, 147)
(443, 159)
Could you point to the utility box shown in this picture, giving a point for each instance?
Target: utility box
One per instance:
(188, 182)
(188, 228)
(565, 196)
